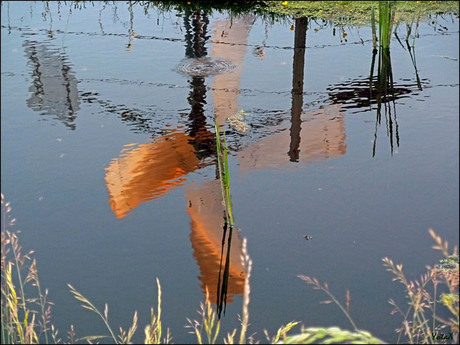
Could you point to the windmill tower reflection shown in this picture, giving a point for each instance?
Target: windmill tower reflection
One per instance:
(217, 249)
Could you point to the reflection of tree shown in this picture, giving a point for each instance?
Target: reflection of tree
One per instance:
(54, 86)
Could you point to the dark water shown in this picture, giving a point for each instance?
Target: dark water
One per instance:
(108, 159)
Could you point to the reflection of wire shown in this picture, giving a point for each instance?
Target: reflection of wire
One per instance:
(8, 16)
(131, 34)
(66, 27)
(100, 19)
(47, 10)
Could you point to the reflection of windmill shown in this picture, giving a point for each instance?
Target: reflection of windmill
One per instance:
(54, 87)
(148, 171)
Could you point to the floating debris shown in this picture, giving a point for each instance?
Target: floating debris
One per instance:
(259, 52)
(237, 123)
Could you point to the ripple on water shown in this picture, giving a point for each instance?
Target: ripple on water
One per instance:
(204, 66)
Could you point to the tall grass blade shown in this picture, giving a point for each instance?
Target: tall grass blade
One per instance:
(90, 306)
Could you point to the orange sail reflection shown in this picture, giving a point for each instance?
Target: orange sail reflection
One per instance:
(322, 138)
(204, 206)
(147, 171)
(231, 37)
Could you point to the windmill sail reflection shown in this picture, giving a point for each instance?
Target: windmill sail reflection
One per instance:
(231, 43)
(148, 171)
(54, 85)
(217, 249)
(323, 137)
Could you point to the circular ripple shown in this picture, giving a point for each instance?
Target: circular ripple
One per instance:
(204, 66)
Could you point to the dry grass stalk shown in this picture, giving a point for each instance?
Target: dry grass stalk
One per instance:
(317, 286)
(209, 322)
(422, 322)
(21, 320)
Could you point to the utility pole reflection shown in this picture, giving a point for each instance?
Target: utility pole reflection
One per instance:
(300, 37)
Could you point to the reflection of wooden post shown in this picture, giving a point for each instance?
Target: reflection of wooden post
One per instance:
(300, 37)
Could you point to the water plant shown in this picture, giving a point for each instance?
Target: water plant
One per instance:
(222, 167)
(386, 21)
(227, 229)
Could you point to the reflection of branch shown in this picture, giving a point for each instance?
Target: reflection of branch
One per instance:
(100, 19)
(139, 121)
(132, 34)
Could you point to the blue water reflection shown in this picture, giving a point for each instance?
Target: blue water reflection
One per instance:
(108, 158)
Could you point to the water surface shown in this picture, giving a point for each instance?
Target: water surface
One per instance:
(108, 158)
